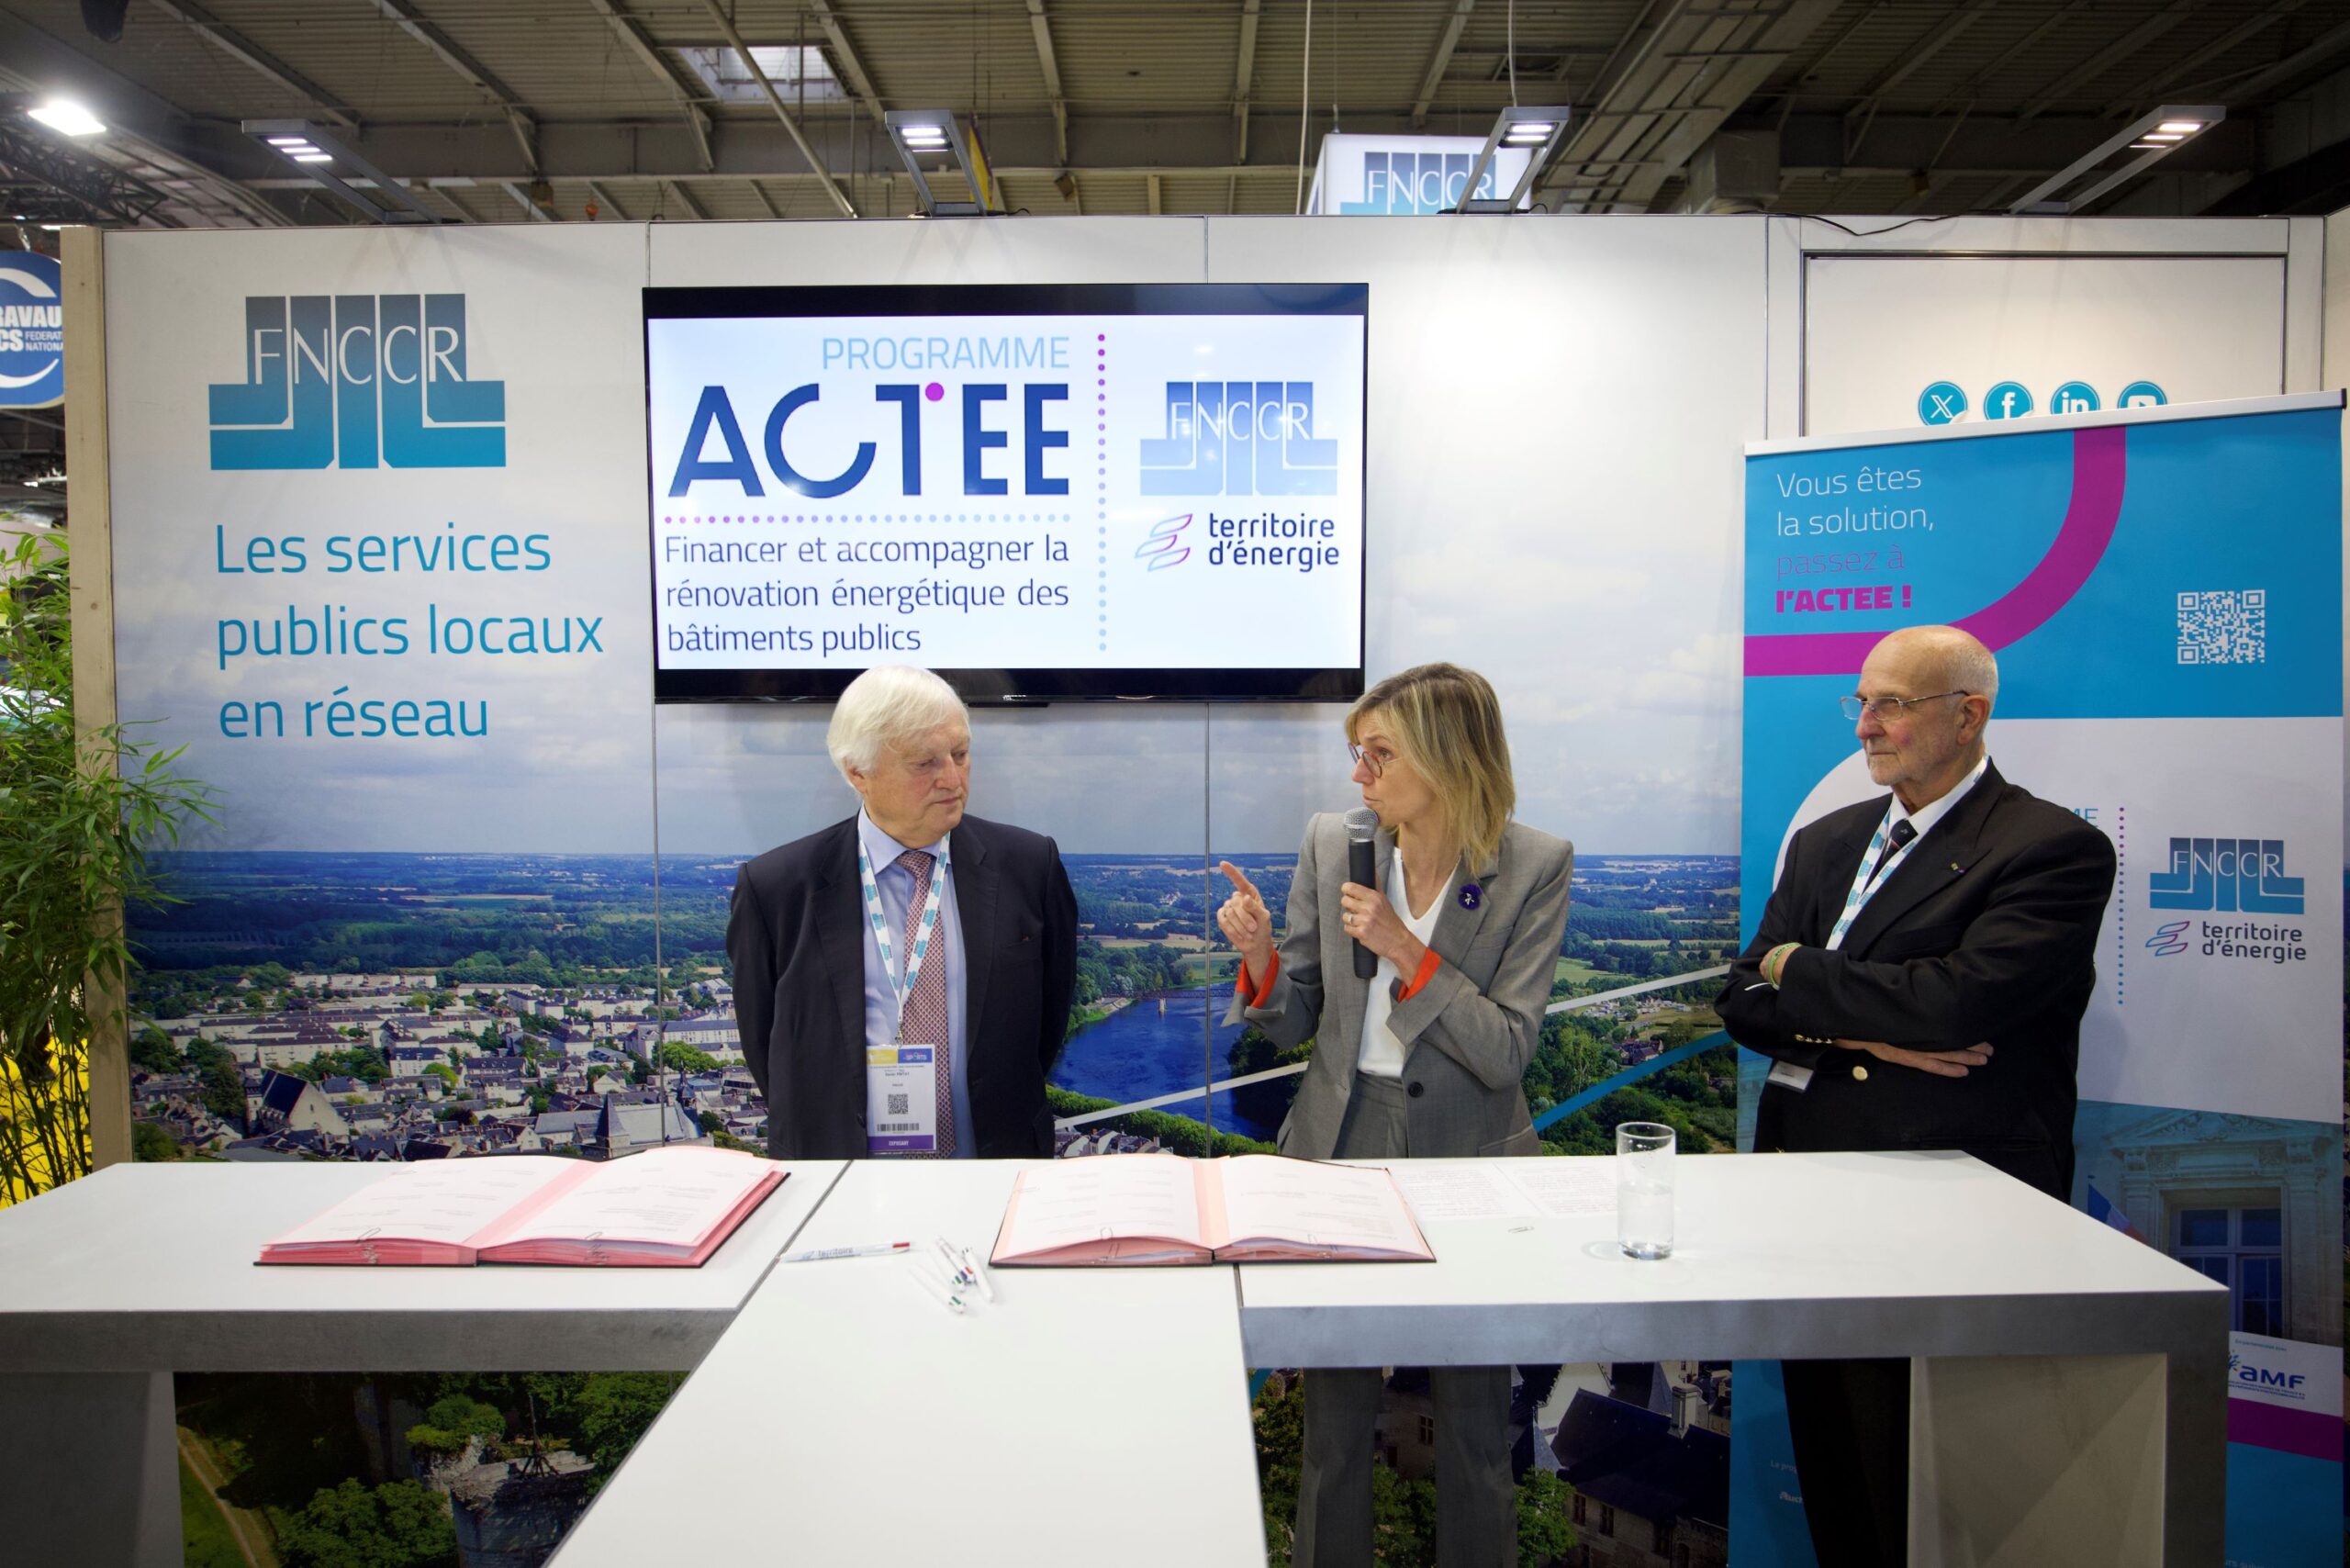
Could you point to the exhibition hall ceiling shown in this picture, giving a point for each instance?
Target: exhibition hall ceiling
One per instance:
(508, 111)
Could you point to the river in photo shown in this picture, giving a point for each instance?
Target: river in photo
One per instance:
(1141, 1051)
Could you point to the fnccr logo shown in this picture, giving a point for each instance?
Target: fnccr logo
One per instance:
(2246, 874)
(1239, 438)
(349, 380)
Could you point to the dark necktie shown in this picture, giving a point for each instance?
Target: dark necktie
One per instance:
(1902, 833)
(924, 1020)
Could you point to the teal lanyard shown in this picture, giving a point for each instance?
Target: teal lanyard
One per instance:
(1864, 886)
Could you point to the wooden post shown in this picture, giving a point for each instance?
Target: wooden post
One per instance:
(90, 532)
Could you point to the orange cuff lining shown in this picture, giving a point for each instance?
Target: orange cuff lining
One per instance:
(1257, 996)
(1420, 977)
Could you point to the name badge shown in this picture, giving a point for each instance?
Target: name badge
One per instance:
(1787, 1075)
(901, 1099)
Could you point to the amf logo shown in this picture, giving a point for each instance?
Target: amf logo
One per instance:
(351, 380)
(1239, 438)
(2246, 874)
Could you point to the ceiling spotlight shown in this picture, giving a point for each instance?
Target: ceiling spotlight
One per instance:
(363, 185)
(933, 135)
(1534, 131)
(67, 117)
(2151, 136)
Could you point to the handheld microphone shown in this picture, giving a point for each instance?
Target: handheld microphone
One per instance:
(1363, 868)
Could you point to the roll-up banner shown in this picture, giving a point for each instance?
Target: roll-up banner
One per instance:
(2162, 589)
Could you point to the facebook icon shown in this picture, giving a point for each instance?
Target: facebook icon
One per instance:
(2008, 400)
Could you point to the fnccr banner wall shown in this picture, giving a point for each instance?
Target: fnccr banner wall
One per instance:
(2162, 591)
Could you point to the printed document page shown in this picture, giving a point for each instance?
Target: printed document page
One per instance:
(1441, 1189)
(675, 1195)
(1270, 1198)
(447, 1202)
(1562, 1189)
(1071, 1202)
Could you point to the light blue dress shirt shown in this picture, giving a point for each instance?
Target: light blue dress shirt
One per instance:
(896, 885)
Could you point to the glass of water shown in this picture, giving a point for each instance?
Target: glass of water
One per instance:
(1644, 1189)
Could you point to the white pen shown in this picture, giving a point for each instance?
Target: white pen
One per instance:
(822, 1254)
(979, 1274)
(936, 1291)
(954, 1264)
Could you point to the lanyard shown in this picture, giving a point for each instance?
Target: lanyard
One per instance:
(1864, 886)
(901, 987)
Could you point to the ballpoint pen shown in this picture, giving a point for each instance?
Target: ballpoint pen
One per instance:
(943, 1294)
(955, 1269)
(979, 1274)
(822, 1254)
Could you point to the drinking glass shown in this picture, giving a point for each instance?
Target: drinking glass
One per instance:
(1644, 1189)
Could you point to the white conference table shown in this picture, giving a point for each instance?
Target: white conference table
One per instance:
(2069, 1382)
(848, 1417)
(2071, 1397)
(110, 1284)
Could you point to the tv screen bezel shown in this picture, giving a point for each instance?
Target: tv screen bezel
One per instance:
(1009, 687)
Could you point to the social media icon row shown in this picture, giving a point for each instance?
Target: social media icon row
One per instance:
(1945, 402)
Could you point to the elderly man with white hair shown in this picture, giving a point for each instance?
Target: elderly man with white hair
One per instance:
(903, 978)
(1918, 980)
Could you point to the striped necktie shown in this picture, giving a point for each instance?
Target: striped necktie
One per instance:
(924, 1020)
(1902, 833)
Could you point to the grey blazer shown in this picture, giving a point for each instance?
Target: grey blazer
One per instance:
(1468, 1034)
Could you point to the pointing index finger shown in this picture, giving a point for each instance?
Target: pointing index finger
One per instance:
(1240, 882)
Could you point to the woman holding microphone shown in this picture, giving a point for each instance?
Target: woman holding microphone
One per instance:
(1464, 916)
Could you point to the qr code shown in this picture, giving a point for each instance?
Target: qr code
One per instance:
(2224, 626)
(897, 1105)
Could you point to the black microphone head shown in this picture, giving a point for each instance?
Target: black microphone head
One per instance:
(1362, 825)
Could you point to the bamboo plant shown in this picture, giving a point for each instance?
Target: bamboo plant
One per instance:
(80, 818)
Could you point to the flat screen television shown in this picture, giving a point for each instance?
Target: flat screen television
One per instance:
(1045, 493)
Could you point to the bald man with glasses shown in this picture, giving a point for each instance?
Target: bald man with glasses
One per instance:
(1918, 981)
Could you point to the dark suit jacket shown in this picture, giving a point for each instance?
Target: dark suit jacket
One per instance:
(1986, 932)
(797, 937)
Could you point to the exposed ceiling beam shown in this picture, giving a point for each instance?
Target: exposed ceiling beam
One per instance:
(203, 159)
(518, 116)
(687, 93)
(596, 194)
(209, 27)
(686, 199)
(1150, 188)
(766, 200)
(1694, 68)
(2020, 50)
(2148, 92)
(1919, 51)
(845, 56)
(2107, 58)
(1447, 41)
(751, 64)
(2320, 48)
(536, 210)
(1244, 78)
(1042, 26)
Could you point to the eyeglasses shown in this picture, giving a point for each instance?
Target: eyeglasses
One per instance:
(1378, 762)
(1887, 709)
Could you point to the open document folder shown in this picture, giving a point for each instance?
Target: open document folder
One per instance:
(665, 1207)
(1250, 1208)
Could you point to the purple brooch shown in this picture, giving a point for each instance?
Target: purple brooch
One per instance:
(1472, 895)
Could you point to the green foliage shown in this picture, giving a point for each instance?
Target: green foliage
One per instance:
(679, 1057)
(1278, 1414)
(441, 1071)
(152, 1051)
(1403, 1517)
(79, 814)
(223, 1090)
(455, 1419)
(205, 1540)
(401, 1524)
(610, 1411)
(150, 1142)
(1544, 1536)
